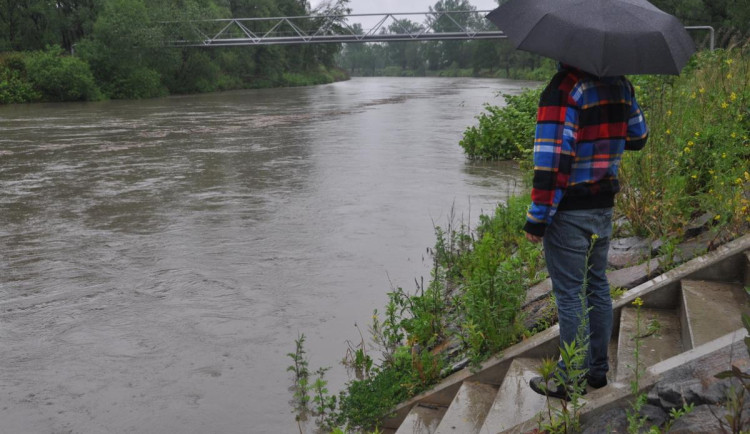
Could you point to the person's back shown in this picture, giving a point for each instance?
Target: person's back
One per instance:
(584, 125)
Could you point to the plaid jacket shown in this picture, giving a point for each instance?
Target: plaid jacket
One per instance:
(584, 123)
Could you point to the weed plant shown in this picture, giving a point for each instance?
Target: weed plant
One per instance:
(736, 420)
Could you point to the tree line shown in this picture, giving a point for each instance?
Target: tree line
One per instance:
(60, 50)
(92, 49)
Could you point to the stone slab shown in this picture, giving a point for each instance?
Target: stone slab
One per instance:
(468, 410)
(633, 276)
(515, 402)
(713, 309)
(655, 347)
(422, 419)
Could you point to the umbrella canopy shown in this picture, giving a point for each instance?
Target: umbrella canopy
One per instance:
(602, 37)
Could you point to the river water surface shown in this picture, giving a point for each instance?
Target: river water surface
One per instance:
(158, 258)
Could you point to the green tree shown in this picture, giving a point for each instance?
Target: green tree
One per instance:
(120, 48)
(61, 78)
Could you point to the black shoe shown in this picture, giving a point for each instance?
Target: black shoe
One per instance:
(597, 382)
(551, 388)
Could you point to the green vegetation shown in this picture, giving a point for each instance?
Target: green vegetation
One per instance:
(696, 160)
(87, 50)
(504, 133)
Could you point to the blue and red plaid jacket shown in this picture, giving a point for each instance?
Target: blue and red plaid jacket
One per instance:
(584, 124)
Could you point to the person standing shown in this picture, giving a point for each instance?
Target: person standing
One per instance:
(584, 124)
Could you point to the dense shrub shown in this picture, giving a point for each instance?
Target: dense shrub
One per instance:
(697, 159)
(139, 83)
(14, 84)
(60, 77)
(504, 133)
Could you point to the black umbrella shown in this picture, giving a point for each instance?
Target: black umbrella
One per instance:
(603, 37)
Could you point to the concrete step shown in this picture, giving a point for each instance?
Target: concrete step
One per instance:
(515, 402)
(661, 338)
(711, 310)
(468, 410)
(422, 419)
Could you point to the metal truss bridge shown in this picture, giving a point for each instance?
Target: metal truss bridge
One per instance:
(320, 29)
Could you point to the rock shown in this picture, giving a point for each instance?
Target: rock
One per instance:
(612, 421)
(460, 364)
(675, 395)
(719, 391)
(539, 313)
(626, 252)
(698, 225)
(538, 291)
(703, 419)
(655, 416)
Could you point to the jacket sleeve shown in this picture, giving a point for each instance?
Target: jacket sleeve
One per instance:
(637, 128)
(554, 151)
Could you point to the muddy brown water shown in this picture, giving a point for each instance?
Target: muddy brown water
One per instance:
(159, 257)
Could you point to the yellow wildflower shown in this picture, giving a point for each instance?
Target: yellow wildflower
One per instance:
(691, 143)
(738, 181)
(694, 176)
(687, 150)
(729, 76)
(697, 134)
(594, 237)
(733, 96)
(638, 302)
(734, 135)
(724, 105)
(717, 217)
(729, 61)
(747, 176)
(702, 90)
(669, 132)
(693, 95)
(669, 112)
(723, 155)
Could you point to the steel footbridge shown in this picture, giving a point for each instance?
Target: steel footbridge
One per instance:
(328, 29)
(320, 29)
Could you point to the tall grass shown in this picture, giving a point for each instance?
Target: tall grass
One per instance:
(698, 155)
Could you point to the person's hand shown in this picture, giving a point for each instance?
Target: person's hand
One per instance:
(533, 238)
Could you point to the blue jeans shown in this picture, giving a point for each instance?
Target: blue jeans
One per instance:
(566, 244)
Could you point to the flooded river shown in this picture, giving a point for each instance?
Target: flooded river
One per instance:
(158, 258)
